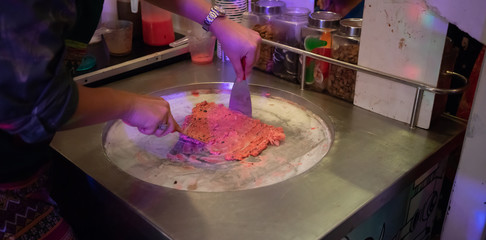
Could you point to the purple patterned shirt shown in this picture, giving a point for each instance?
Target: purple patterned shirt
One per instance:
(37, 95)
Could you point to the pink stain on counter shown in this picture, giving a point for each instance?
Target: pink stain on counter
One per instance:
(141, 158)
(195, 93)
(202, 58)
(192, 186)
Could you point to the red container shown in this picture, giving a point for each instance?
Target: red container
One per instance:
(156, 25)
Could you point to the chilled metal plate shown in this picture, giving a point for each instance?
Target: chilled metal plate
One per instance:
(308, 131)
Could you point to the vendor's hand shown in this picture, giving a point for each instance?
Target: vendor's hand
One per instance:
(147, 113)
(151, 115)
(237, 42)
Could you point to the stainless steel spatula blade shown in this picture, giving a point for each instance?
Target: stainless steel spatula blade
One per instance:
(240, 99)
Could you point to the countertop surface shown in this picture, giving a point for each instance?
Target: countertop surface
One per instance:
(372, 158)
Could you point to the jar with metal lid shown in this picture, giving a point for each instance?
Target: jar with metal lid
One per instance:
(264, 12)
(345, 47)
(287, 30)
(316, 37)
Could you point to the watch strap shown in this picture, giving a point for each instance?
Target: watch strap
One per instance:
(214, 13)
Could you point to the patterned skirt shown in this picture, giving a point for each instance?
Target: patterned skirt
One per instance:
(28, 212)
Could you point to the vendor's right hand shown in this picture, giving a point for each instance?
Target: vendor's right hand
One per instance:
(237, 42)
(149, 113)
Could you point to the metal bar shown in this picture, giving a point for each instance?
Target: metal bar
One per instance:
(416, 107)
(302, 82)
(131, 65)
(374, 72)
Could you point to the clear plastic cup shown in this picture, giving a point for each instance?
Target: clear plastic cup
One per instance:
(118, 37)
(201, 47)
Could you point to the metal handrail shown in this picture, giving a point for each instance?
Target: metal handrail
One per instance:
(421, 87)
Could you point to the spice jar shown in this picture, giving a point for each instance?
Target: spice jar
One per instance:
(287, 31)
(317, 38)
(261, 19)
(345, 47)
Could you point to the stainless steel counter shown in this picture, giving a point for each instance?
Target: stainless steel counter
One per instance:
(372, 159)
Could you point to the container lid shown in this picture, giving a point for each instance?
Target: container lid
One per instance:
(295, 14)
(351, 26)
(324, 19)
(269, 7)
(296, 11)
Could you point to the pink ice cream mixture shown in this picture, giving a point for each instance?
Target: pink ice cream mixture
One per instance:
(229, 133)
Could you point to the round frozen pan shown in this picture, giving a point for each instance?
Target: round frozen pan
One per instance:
(308, 133)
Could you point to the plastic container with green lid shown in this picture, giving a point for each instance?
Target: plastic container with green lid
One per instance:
(316, 37)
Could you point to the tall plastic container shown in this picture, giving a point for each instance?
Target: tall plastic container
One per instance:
(157, 25)
(287, 31)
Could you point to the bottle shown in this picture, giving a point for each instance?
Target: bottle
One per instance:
(287, 31)
(157, 25)
(317, 38)
(124, 10)
(345, 47)
(261, 20)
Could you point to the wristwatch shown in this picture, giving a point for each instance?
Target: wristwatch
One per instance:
(214, 13)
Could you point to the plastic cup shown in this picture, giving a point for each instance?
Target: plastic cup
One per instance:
(201, 48)
(157, 25)
(118, 37)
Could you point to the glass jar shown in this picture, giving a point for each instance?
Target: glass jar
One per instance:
(287, 31)
(316, 37)
(345, 47)
(261, 19)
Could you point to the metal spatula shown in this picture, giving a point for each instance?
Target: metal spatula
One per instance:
(240, 99)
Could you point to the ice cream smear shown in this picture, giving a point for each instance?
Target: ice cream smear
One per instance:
(223, 134)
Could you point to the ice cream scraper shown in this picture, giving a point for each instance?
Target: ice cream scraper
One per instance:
(240, 99)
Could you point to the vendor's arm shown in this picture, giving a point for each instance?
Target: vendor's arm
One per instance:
(38, 97)
(237, 41)
(145, 112)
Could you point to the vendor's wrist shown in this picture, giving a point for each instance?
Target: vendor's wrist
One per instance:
(215, 14)
(218, 24)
